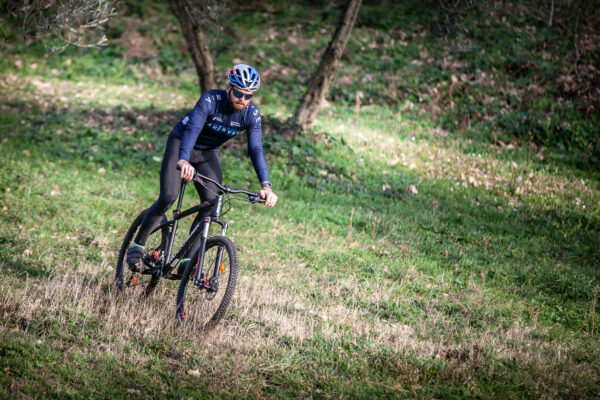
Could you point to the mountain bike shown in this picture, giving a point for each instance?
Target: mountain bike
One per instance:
(209, 280)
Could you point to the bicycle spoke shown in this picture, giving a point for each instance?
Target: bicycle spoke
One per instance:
(205, 303)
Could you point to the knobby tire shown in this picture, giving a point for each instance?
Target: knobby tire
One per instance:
(196, 298)
(160, 237)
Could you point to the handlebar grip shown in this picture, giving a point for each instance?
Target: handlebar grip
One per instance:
(256, 200)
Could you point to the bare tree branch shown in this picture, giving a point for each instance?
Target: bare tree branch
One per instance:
(60, 23)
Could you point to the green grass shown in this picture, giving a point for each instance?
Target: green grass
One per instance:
(409, 256)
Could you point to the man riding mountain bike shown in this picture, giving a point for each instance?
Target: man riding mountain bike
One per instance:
(193, 145)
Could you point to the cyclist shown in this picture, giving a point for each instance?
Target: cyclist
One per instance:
(193, 145)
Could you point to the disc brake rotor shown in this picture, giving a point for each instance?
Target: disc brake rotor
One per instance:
(214, 288)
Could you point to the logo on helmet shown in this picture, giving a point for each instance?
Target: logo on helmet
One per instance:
(244, 77)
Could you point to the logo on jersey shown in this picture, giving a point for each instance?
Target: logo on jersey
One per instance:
(223, 129)
(235, 123)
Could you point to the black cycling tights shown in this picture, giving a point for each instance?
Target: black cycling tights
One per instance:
(205, 162)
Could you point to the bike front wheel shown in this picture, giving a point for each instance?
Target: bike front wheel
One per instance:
(203, 306)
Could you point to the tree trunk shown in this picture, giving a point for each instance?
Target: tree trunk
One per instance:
(321, 80)
(197, 44)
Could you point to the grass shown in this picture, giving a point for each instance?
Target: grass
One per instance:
(405, 258)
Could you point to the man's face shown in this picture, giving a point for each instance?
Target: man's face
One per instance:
(238, 103)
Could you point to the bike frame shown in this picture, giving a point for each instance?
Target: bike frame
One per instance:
(168, 261)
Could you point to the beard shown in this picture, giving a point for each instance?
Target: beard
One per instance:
(238, 106)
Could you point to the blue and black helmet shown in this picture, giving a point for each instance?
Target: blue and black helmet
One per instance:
(244, 77)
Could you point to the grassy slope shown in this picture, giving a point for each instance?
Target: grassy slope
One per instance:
(479, 285)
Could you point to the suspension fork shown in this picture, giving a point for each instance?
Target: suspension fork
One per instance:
(206, 228)
(216, 214)
(217, 268)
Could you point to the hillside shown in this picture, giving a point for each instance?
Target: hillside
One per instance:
(436, 234)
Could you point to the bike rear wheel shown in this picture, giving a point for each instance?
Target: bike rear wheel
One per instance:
(205, 305)
(154, 252)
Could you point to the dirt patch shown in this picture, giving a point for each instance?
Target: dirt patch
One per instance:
(137, 46)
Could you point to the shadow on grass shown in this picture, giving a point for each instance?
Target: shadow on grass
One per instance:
(116, 137)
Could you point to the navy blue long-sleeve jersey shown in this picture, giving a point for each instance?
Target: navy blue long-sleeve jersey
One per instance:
(213, 121)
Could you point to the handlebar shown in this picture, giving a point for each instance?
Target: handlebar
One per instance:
(252, 196)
